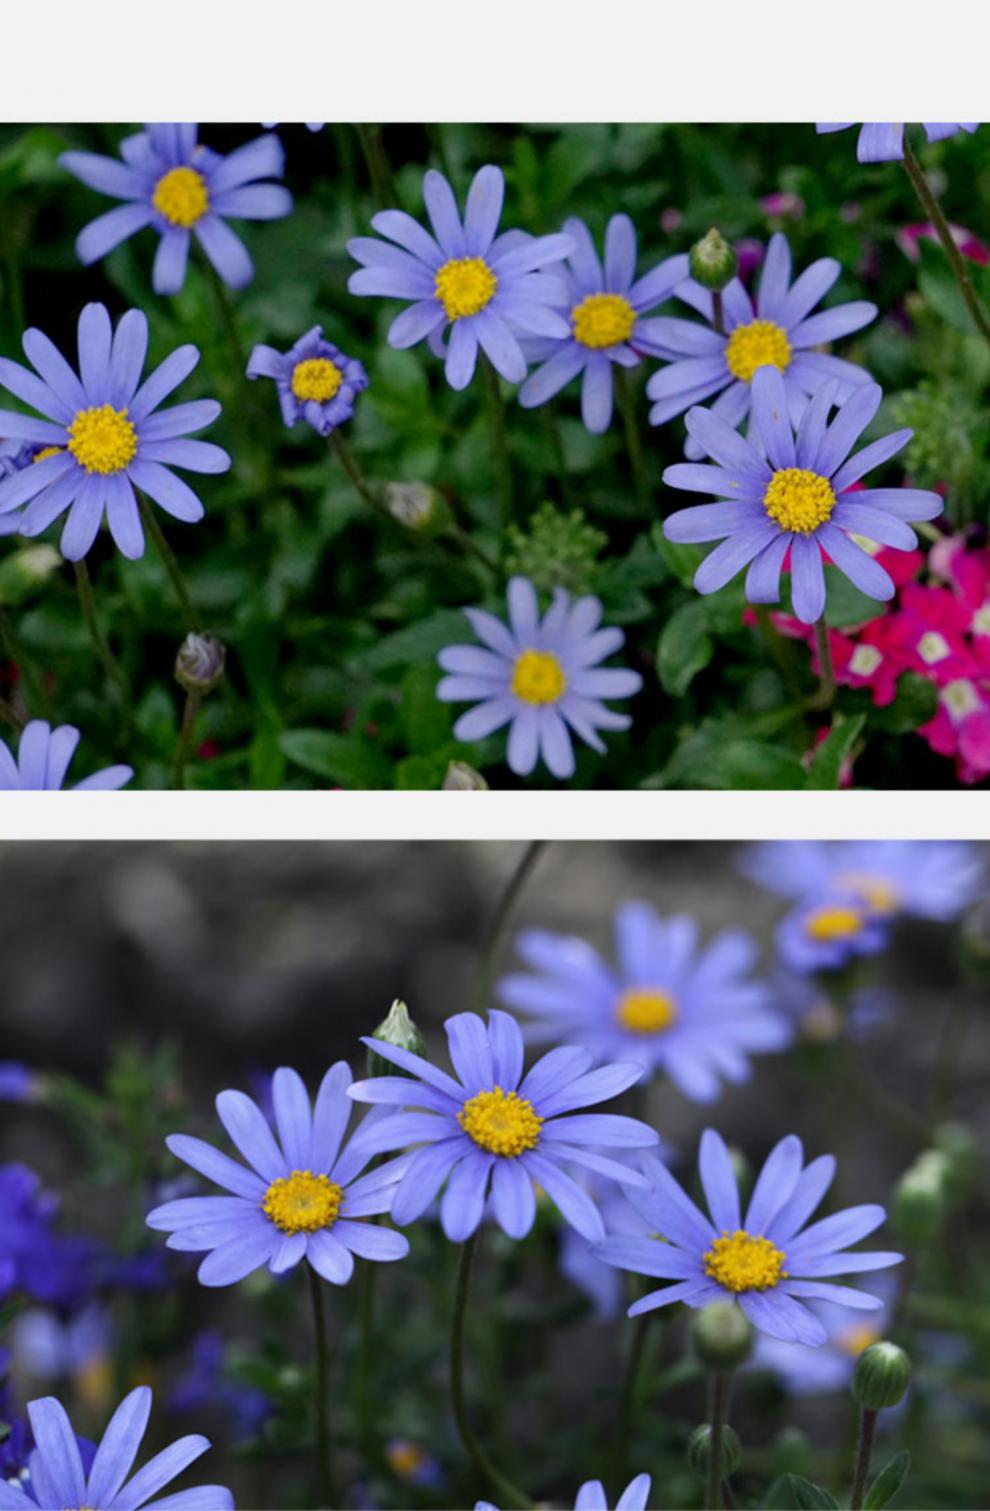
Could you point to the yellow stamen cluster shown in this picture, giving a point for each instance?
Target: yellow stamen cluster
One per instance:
(838, 922)
(742, 1262)
(464, 286)
(799, 500)
(759, 344)
(855, 1339)
(538, 677)
(302, 1202)
(316, 378)
(602, 320)
(181, 196)
(646, 1012)
(103, 439)
(500, 1121)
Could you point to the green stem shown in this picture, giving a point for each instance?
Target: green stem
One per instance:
(379, 168)
(718, 314)
(362, 1387)
(551, 429)
(500, 921)
(171, 565)
(348, 461)
(826, 672)
(193, 703)
(864, 1453)
(471, 548)
(87, 604)
(634, 446)
(721, 1394)
(933, 210)
(321, 1402)
(500, 445)
(630, 1393)
(34, 685)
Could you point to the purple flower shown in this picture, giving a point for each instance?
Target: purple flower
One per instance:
(316, 382)
(885, 143)
(204, 1384)
(182, 189)
(925, 878)
(777, 329)
(43, 758)
(603, 308)
(794, 494)
(488, 288)
(824, 935)
(101, 437)
(810, 1371)
(541, 676)
(18, 1083)
(495, 1127)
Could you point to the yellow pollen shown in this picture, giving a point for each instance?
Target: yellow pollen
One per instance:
(103, 439)
(837, 922)
(646, 1012)
(316, 378)
(742, 1262)
(500, 1121)
(855, 1339)
(602, 320)
(181, 196)
(538, 677)
(302, 1202)
(880, 895)
(464, 286)
(759, 344)
(799, 500)
(46, 452)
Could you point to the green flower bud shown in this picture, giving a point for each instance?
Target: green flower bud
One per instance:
(398, 1029)
(25, 571)
(461, 777)
(791, 1452)
(722, 1335)
(556, 550)
(712, 261)
(881, 1377)
(699, 1446)
(199, 666)
(417, 507)
(918, 1202)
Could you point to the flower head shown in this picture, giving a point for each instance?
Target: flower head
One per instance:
(541, 675)
(692, 1012)
(315, 380)
(807, 1371)
(303, 1197)
(101, 437)
(828, 932)
(925, 878)
(488, 288)
(490, 1125)
(43, 758)
(885, 143)
(797, 498)
(169, 181)
(767, 1262)
(603, 308)
(592, 1497)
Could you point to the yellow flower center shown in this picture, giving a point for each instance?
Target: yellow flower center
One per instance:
(500, 1121)
(602, 320)
(181, 196)
(103, 439)
(855, 1339)
(759, 344)
(839, 922)
(406, 1458)
(799, 500)
(464, 286)
(741, 1262)
(646, 1012)
(538, 677)
(316, 378)
(876, 891)
(46, 452)
(302, 1202)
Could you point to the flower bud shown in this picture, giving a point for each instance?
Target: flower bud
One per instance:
(722, 1335)
(398, 1029)
(557, 549)
(417, 507)
(791, 1452)
(699, 1446)
(918, 1203)
(712, 261)
(461, 777)
(881, 1377)
(26, 570)
(199, 666)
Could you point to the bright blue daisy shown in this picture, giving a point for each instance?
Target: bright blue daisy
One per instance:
(488, 288)
(776, 328)
(315, 380)
(592, 1497)
(885, 143)
(925, 878)
(494, 1127)
(303, 1197)
(603, 308)
(57, 1475)
(825, 934)
(182, 189)
(43, 757)
(540, 675)
(689, 1011)
(814, 1371)
(793, 494)
(768, 1262)
(101, 437)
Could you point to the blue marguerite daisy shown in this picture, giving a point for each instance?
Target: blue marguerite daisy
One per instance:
(794, 494)
(824, 934)
(494, 1126)
(883, 143)
(777, 328)
(694, 1013)
(540, 675)
(487, 288)
(303, 1197)
(43, 758)
(57, 1476)
(315, 380)
(592, 1497)
(813, 1371)
(604, 309)
(101, 437)
(768, 1262)
(925, 878)
(182, 189)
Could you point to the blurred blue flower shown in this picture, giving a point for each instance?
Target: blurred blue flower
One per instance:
(592, 1497)
(810, 1371)
(882, 143)
(926, 878)
(48, 1346)
(315, 380)
(43, 757)
(204, 1384)
(26, 1213)
(18, 1083)
(412, 1462)
(601, 1283)
(826, 934)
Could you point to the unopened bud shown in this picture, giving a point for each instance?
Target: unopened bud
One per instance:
(398, 1029)
(699, 1449)
(881, 1377)
(791, 1452)
(918, 1202)
(713, 261)
(461, 777)
(25, 570)
(417, 507)
(199, 666)
(722, 1335)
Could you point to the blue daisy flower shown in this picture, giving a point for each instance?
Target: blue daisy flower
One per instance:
(592, 1497)
(813, 1371)
(768, 1262)
(495, 1127)
(827, 933)
(303, 1197)
(316, 381)
(924, 878)
(793, 494)
(182, 189)
(57, 1475)
(43, 757)
(885, 143)
(101, 437)
(693, 1013)
(489, 289)
(603, 308)
(778, 328)
(542, 676)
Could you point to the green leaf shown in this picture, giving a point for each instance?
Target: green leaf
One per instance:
(418, 642)
(792, 1493)
(888, 1482)
(685, 648)
(845, 605)
(722, 755)
(915, 702)
(425, 720)
(826, 766)
(342, 760)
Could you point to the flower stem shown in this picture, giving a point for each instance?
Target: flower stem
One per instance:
(630, 1392)
(957, 262)
(500, 445)
(721, 1394)
(501, 919)
(87, 604)
(637, 461)
(718, 312)
(864, 1453)
(379, 168)
(348, 461)
(321, 1400)
(362, 1386)
(826, 672)
(34, 685)
(171, 565)
(512, 1496)
(193, 703)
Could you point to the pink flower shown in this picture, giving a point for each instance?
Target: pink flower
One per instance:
(873, 659)
(930, 631)
(961, 728)
(783, 205)
(970, 246)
